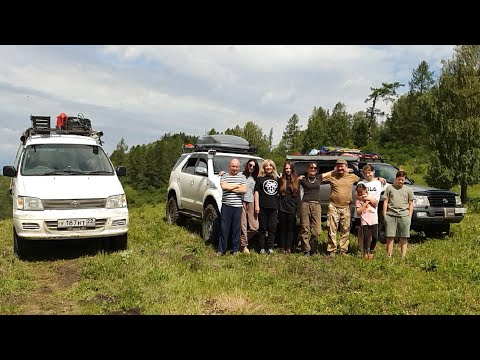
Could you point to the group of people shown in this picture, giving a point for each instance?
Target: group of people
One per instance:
(258, 202)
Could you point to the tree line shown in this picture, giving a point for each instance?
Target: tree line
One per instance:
(437, 120)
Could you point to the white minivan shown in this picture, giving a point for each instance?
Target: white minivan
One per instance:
(64, 186)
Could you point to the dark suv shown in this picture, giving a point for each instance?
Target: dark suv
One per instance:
(434, 209)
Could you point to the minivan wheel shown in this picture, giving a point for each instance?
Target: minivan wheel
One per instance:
(211, 224)
(20, 246)
(172, 214)
(120, 242)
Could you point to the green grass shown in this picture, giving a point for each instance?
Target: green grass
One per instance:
(169, 270)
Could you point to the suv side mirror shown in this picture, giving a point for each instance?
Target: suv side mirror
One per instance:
(199, 170)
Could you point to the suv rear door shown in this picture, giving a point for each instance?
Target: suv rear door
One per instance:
(187, 182)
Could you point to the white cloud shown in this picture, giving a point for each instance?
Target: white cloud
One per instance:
(193, 88)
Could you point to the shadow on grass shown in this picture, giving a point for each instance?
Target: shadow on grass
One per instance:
(65, 249)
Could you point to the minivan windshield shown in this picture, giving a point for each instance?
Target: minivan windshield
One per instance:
(65, 159)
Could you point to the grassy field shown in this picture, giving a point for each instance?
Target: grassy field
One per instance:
(169, 270)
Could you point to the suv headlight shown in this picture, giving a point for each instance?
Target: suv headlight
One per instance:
(117, 201)
(458, 200)
(29, 203)
(421, 200)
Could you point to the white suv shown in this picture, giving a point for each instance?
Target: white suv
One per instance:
(194, 188)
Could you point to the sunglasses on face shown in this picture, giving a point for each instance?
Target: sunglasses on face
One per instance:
(251, 165)
(312, 167)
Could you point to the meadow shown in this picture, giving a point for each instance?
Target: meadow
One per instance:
(168, 269)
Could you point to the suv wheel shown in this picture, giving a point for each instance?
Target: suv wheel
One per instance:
(432, 231)
(172, 213)
(210, 224)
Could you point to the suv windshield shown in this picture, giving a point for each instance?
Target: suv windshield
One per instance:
(221, 162)
(65, 159)
(387, 171)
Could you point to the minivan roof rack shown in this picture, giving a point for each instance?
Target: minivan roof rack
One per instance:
(74, 125)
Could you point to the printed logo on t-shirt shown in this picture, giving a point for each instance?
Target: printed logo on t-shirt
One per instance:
(270, 187)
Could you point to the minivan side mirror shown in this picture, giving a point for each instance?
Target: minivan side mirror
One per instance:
(9, 171)
(121, 171)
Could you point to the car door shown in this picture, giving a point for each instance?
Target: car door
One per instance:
(198, 184)
(187, 181)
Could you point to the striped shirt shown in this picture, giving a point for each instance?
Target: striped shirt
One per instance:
(231, 198)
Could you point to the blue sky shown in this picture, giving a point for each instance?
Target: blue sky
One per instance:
(142, 92)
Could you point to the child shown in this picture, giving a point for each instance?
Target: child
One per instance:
(375, 188)
(397, 212)
(369, 219)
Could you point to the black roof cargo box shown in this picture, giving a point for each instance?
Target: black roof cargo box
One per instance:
(224, 143)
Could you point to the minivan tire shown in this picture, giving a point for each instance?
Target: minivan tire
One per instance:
(20, 246)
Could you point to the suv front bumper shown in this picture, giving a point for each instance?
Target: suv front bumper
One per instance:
(433, 216)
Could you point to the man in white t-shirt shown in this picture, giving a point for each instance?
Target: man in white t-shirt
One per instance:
(375, 188)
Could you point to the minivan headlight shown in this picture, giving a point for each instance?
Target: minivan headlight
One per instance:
(458, 200)
(29, 203)
(117, 201)
(421, 200)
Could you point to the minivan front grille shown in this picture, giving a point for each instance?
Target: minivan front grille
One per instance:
(73, 204)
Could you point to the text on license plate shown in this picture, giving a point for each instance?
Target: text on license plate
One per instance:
(68, 223)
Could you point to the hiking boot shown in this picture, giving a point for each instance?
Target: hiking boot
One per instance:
(306, 253)
(245, 250)
(262, 251)
(370, 256)
(270, 251)
(219, 253)
(288, 251)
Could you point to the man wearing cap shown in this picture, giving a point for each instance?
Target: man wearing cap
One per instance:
(341, 181)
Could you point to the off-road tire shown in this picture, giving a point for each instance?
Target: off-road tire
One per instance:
(433, 231)
(211, 224)
(172, 214)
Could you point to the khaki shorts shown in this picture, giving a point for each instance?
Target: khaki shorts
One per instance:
(397, 226)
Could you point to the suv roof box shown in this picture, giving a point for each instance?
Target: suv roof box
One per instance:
(225, 143)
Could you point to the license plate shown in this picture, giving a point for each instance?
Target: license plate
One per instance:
(460, 210)
(71, 223)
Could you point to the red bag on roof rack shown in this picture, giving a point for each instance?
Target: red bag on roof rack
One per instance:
(61, 119)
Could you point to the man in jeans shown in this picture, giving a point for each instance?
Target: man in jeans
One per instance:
(234, 185)
(341, 182)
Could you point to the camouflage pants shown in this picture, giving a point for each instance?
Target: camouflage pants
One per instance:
(337, 215)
